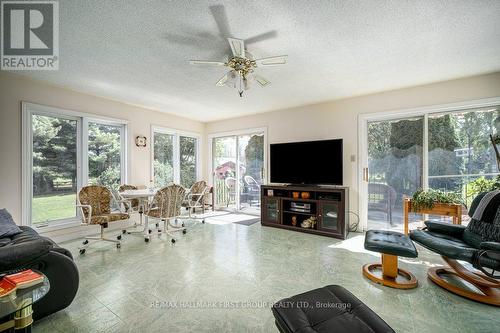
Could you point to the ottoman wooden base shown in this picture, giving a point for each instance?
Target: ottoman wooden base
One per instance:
(388, 274)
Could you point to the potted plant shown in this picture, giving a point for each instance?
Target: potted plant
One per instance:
(426, 200)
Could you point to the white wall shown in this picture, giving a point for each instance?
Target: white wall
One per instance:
(334, 119)
(338, 119)
(14, 89)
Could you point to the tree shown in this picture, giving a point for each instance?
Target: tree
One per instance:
(254, 156)
(54, 153)
(104, 154)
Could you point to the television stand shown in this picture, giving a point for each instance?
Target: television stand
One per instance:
(288, 206)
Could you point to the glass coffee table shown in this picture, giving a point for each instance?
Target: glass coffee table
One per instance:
(15, 309)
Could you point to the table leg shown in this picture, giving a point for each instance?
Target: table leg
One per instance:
(405, 210)
(144, 229)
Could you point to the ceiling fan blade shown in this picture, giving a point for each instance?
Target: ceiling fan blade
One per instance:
(220, 17)
(222, 81)
(207, 62)
(272, 61)
(237, 46)
(263, 82)
(227, 80)
(261, 37)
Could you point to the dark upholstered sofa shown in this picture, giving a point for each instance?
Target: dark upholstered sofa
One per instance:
(30, 250)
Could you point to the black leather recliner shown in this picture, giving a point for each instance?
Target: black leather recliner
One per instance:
(30, 250)
(457, 242)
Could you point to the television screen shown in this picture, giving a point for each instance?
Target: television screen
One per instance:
(312, 162)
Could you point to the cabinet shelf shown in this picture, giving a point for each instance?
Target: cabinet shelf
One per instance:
(331, 210)
(298, 213)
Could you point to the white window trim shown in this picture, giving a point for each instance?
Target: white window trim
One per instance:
(28, 110)
(176, 151)
(425, 112)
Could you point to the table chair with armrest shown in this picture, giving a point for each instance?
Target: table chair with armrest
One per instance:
(477, 244)
(166, 206)
(195, 198)
(95, 204)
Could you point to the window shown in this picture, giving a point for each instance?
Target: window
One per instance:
(163, 164)
(188, 160)
(54, 158)
(175, 157)
(104, 154)
(62, 151)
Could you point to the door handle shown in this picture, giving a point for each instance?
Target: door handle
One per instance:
(365, 174)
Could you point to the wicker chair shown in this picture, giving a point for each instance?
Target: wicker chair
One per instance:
(195, 198)
(230, 183)
(382, 197)
(166, 205)
(131, 205)
(95, 204)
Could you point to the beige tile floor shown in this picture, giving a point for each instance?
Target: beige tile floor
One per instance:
(153, 287)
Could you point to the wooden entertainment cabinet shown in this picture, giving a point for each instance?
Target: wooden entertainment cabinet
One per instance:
(328, 204)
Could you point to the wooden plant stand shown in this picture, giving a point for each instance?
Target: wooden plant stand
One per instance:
(452, 210)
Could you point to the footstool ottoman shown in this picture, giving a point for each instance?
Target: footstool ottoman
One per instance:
(392, 245)
(328, 309)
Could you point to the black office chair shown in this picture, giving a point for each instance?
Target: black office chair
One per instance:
(477, 244)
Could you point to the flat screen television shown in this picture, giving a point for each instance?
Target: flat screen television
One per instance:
(311, 162)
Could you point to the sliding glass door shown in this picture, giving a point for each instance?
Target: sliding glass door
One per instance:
(238, 163)
(448, 151)
(395, 165)
(461, 156)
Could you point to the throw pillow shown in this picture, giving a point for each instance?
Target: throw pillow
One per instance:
(8, 227)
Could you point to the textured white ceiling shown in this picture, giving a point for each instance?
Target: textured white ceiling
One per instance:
(138, 51)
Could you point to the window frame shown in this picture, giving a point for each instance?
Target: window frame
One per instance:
(82, 118)
(176, 150)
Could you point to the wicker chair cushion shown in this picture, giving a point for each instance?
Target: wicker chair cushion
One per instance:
(98, 197)
(106, 218)
(134, 202)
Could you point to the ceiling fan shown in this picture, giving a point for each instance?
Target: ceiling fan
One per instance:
(242, 66)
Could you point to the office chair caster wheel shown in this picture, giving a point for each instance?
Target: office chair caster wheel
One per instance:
(150, 231)
(118, 245)
(124, 232)
(183, 225)
(173, 241)
(119, 237)
(82, 251)
(85, 242)
(159, 231)
(157, 225)
(146, 240)
(184, 231)
(203, 221)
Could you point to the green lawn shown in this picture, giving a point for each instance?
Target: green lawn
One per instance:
(53, 207)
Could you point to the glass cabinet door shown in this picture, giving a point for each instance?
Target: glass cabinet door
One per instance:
(329, 216)
(271, 210)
